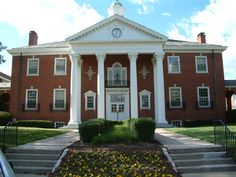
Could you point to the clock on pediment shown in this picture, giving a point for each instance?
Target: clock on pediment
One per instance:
(116, 32)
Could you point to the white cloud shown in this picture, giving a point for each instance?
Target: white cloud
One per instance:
(146, 6)
(218, 21)
(53, 20)
(166, 14)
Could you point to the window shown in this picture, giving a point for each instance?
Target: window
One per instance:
(175, 96)
(176, 123)
(58, 124)
(201, 64)
(203, 97)
(90, 100)
(33, 67)
(31, 99)
(60, 66)
(117, 75)
(173, 64)
(59, 100)
(145, 97)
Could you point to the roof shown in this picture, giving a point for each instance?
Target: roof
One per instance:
(230, 83)
(5, 85)
(5, 77)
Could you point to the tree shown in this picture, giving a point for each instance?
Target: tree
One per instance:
(2, 47)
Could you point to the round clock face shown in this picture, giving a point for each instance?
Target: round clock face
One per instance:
(116, 32)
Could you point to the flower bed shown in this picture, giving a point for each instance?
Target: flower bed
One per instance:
(118, 161)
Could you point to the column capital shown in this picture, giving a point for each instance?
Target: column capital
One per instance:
(159, 56)
(133, 56)
(153, 60)
(100, 56)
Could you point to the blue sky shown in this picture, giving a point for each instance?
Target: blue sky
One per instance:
(54, 20)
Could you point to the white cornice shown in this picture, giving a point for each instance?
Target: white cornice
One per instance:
(194, 48)
(114, 18)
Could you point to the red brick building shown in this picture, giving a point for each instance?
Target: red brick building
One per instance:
(117, 69)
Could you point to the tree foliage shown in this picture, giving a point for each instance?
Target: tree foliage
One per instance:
(2, 47)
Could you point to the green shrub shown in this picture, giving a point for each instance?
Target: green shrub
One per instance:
(115, 135)
(230, 116)
(145, 128)
(5, 117)
(92, 128)
(36, 123)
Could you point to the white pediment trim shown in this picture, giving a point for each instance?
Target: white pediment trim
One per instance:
(121, 19)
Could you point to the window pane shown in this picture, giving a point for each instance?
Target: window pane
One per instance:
(173, 64)
(117, 98)
(203, 97)
(90, 102)
(201, 64)
(113, 108)
(121, 107)
(32, 99)
(60, 66)
(175, 100)
(33, 67)
(145, 101)
(59, 98)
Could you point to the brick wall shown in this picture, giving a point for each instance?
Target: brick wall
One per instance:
(45, 83)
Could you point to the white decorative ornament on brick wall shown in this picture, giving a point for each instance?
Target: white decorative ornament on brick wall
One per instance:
(90, 73)
(144, 72)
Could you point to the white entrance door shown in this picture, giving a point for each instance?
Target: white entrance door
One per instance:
(117, 105)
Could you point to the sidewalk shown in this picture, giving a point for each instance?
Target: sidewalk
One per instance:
(176, 141)
(54, 143)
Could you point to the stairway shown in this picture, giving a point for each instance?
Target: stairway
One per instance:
(201, 159)
(33, 161)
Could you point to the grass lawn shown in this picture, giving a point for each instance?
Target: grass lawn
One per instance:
(27, 134)
(204, 133)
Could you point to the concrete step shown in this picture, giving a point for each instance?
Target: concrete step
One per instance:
(33, 151)
(33, 163)
(202, 155)
(32, 170)
(207, 168)
(197, 162)
(194, 149)
(32, 156)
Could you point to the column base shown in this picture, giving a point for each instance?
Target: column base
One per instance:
(71, 126)
(164, 125)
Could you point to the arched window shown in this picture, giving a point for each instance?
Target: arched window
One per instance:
(117, 75)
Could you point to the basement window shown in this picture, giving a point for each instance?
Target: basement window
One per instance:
(59, 124)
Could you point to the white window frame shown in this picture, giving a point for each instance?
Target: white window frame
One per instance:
(30, 59)
(196, 64)
(144, 93)
(87, 94)
(26, 99)
(54, 99)
(55, 64)
(198, 97)
(169, 69)
(180, 94)
(56, 123)
(123, 72)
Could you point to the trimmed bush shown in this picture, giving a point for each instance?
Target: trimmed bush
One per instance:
(197, 123)
(5, 117)
(115, 135)
(91, 128)
(230, 116)
(145, 128)
(36, 123)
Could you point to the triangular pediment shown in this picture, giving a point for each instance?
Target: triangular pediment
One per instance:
(117, 28)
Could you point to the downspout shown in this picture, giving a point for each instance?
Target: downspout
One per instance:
(215, 83)
(19, 84)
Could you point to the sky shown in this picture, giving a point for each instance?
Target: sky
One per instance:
(55, 20)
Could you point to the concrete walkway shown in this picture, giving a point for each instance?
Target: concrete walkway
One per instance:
(59, 142)
(176, 141)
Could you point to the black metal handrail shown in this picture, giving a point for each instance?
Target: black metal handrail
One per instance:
(9, 135)
(53, 107)
(224, 137)
(117, 83)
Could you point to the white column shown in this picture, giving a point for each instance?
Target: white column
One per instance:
(100, 86)
(75, 91)
(155, 88)
(160, 91)
(133, 85)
